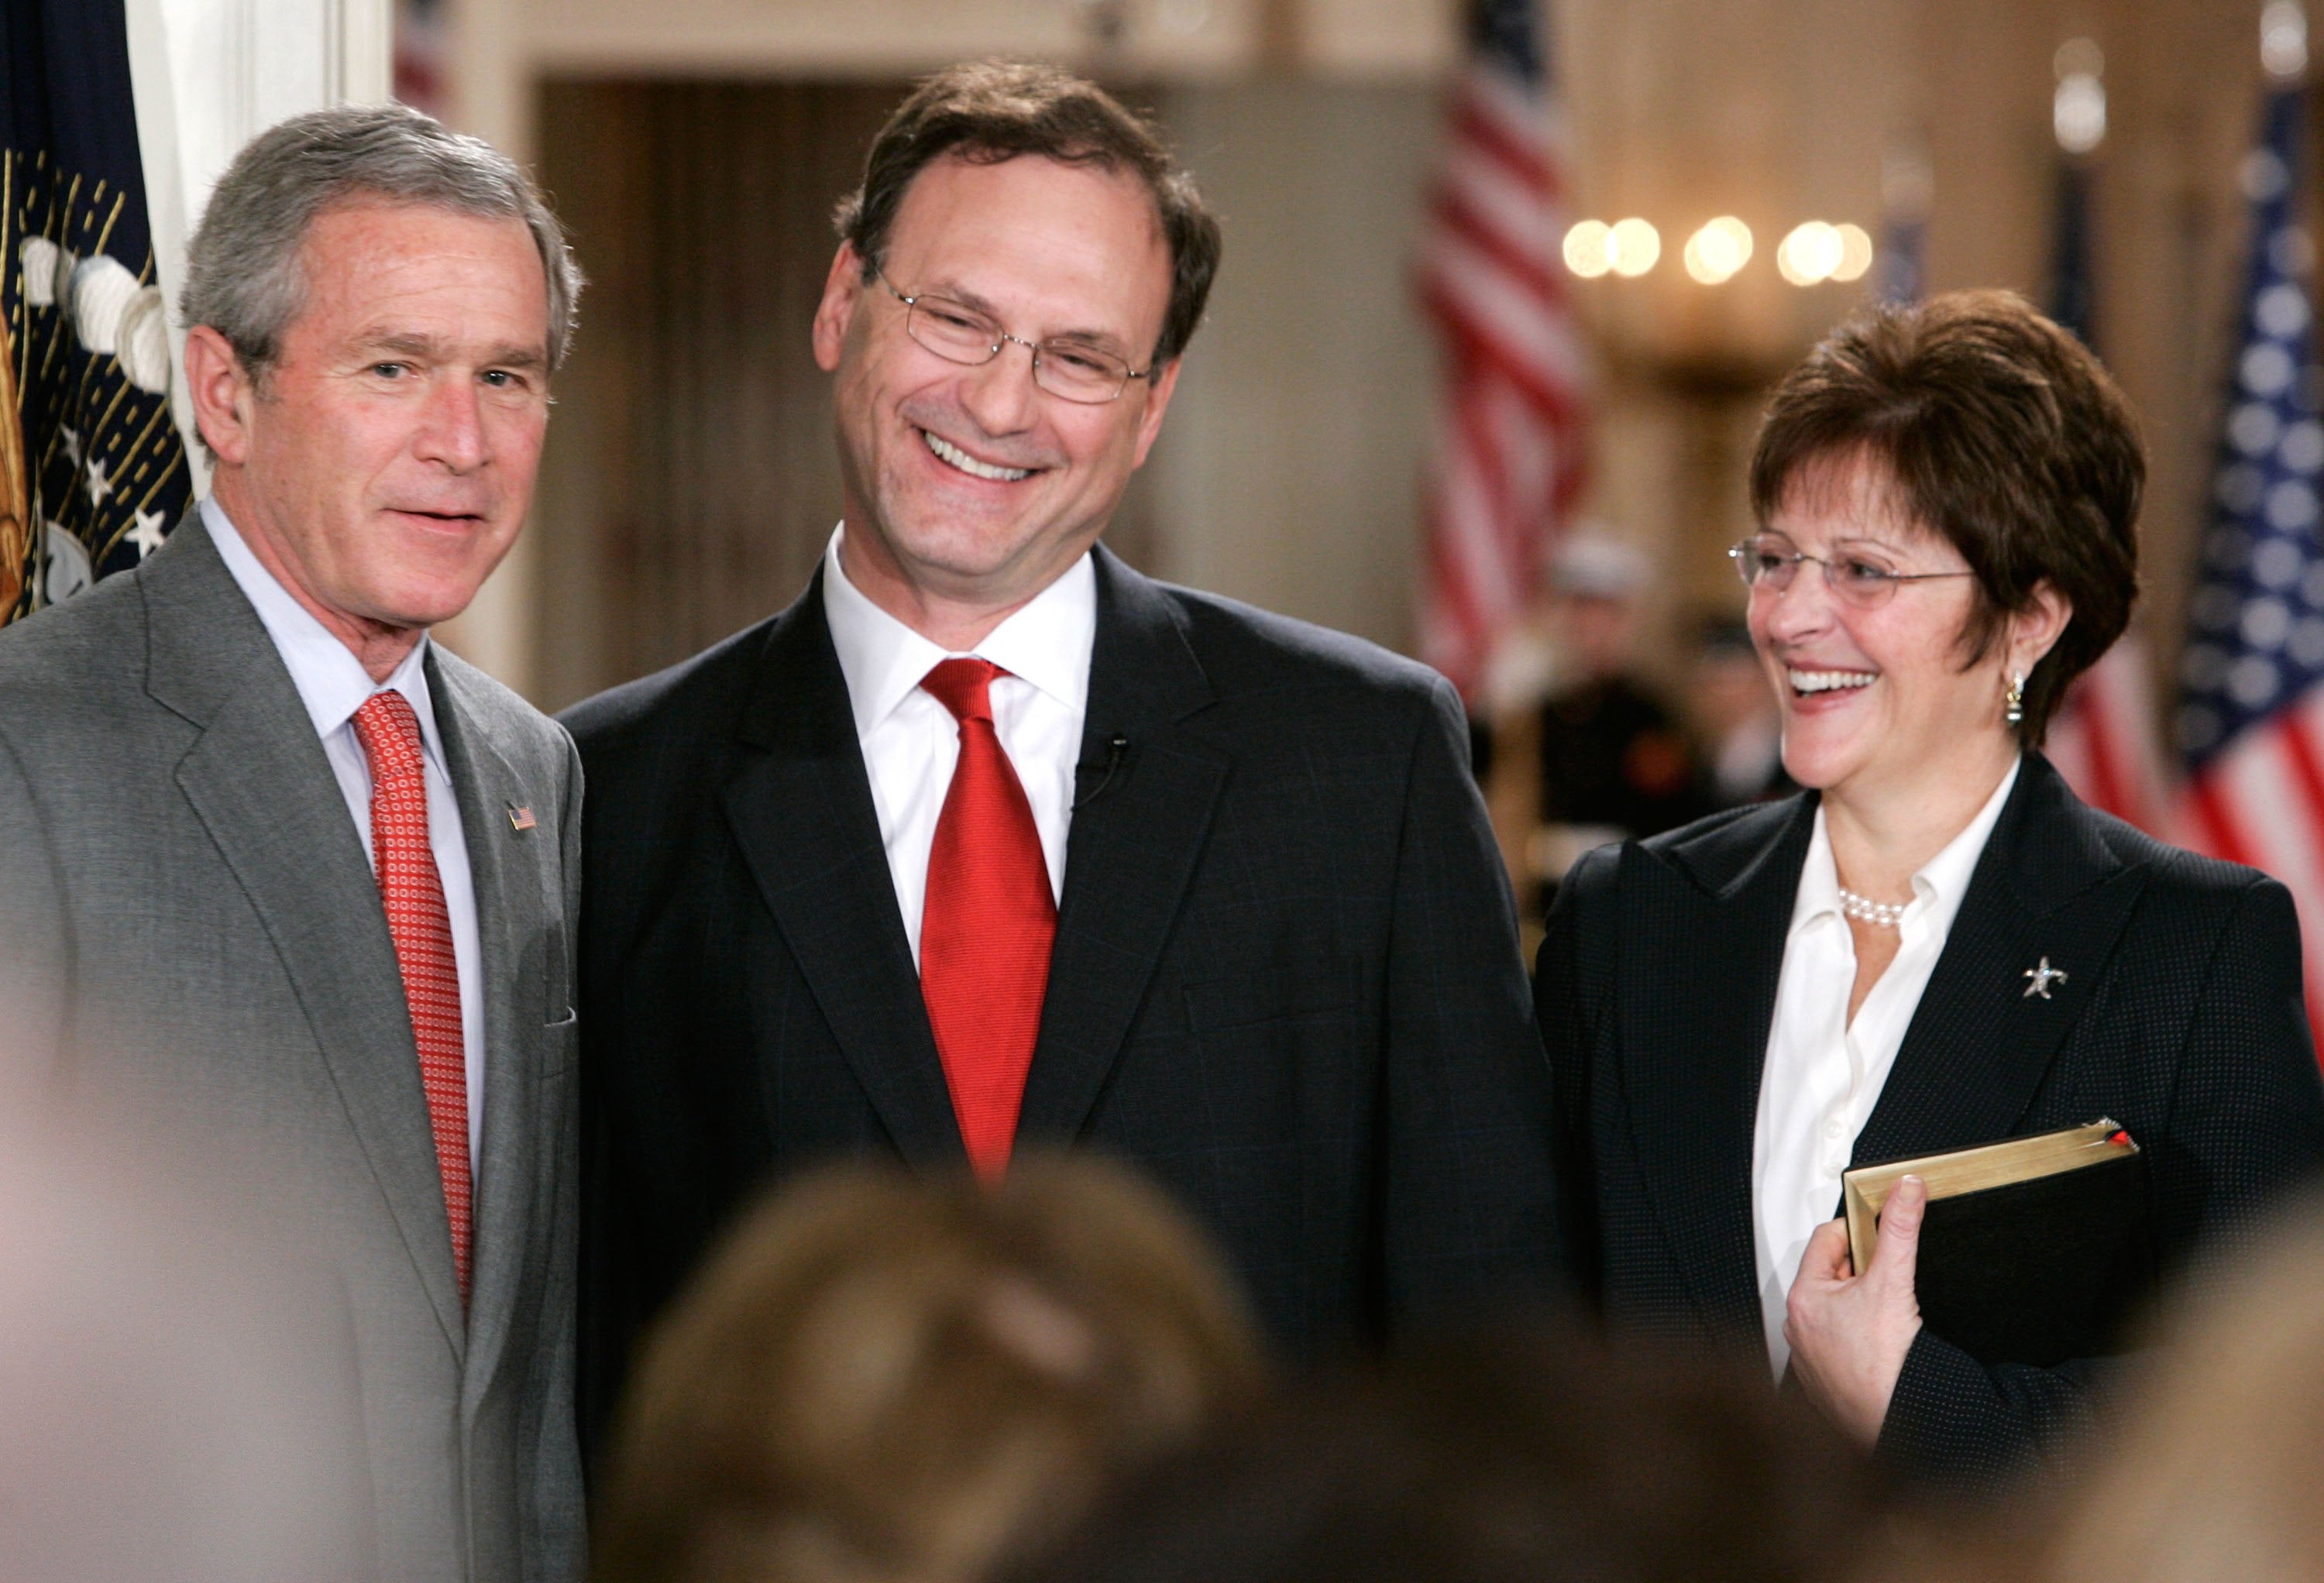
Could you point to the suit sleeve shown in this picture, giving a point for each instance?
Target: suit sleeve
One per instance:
(1567, 1004)
(2246, 1123)
(1469, 1215)
(36, 951)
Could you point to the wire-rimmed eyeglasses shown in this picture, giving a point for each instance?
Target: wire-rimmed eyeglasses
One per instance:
(1770, 561)
(1071, 371)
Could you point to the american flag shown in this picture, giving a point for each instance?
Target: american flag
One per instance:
(1509, 464)
(2103, 739)
(422, 55)
(92, 471)
(2251, 713)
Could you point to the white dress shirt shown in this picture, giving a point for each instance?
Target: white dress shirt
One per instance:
(911, 741)
(333, 684)
(1824, 1072)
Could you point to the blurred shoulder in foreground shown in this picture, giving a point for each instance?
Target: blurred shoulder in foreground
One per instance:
(180, 1389)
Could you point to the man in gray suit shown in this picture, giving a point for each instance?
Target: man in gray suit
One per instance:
(272, 859)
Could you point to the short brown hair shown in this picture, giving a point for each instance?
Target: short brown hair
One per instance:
(990, 111)
(1995, 428)
(1498, 1456)
(883, 1376)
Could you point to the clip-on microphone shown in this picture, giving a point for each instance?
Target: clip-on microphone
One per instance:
(1114, 749)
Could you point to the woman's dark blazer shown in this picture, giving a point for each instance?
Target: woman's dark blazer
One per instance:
(2180, 1015)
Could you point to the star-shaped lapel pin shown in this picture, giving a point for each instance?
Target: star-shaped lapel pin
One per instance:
(2043, 976)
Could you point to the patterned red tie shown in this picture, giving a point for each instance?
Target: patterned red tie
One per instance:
(988, 926)
(422, 927)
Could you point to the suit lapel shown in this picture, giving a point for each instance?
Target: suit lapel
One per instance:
(800, 806)
(1143, 816)
(1980, 1046)
(1694, 1023)
(515, 894)
(258, 781)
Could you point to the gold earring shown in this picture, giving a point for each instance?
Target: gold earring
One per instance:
(2013, 701)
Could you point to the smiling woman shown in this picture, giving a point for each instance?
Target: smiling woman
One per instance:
(1847, 969)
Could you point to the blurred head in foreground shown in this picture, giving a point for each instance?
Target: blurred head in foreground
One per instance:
(2219, 1473)
(882, 1376)
(1496, 1460)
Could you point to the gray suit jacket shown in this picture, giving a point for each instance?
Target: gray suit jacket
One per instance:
(186, 907)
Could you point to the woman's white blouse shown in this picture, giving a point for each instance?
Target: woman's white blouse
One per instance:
(1823, 1073)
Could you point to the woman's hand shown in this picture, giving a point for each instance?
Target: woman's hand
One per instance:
(1848, 1333)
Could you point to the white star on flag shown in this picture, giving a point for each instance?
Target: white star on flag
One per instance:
(147, 535)
(99, 485)
(72, 444)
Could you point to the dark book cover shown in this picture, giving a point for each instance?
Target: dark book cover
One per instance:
(2041, 1271)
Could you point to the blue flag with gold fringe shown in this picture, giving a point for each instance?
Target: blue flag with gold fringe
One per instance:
(92, 468)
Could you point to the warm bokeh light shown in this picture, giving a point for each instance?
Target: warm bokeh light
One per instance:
(1715, 252)
(1810, 255)
(2077, 113)
(2079, 57)
(1633, 247)
(1855, 253)
(1586, 250)
(2284, 38)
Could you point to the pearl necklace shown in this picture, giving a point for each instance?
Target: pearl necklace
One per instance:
(1880, 915)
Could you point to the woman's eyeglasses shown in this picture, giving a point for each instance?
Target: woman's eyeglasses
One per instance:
(1769, 562)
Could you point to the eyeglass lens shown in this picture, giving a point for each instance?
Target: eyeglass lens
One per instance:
(1772, 563)
(1067, 369)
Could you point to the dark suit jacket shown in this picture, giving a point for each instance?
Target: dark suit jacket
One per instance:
(1286, 980)
(2181, 1017)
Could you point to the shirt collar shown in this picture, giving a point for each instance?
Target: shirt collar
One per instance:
(331, 681)
(1046, 642)
(1938, 886)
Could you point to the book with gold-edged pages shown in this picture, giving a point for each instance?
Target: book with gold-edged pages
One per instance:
(2034, 1249)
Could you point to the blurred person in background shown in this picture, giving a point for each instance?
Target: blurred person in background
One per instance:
(1735, 717)
(989, 840)
(1936, 947)
(883, 1378)
(269, 854)
(1602, 754)
(1498, 1458)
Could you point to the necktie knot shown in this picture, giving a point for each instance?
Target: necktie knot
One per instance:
(964, 687)
(389, 730)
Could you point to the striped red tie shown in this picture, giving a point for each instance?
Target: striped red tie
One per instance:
(422, 927)
(988, 926)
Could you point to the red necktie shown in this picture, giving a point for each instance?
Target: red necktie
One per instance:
(422, 927)
(988, 926)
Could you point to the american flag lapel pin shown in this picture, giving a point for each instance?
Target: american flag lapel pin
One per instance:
(520, 818)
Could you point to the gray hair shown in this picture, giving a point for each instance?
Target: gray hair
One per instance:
(243, 273)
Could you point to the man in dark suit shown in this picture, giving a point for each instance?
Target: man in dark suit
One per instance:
(272, 861)
(988, 841)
